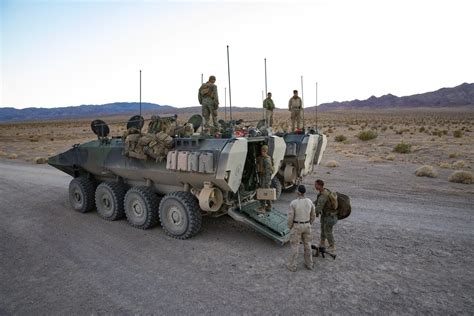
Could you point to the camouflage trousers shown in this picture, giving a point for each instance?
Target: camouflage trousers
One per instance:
(300, 232)
(295, 118)
(265, 183)
(327, 223)
(208, 110)
(269, 117)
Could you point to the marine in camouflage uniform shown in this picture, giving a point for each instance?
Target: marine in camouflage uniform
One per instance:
(328, 215)
(268, 105)
(295, 106)
(265, 171)
(301, 216)
(209, 101)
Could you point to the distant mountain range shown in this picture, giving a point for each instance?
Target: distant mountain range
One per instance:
(446, 97)
(462, 95)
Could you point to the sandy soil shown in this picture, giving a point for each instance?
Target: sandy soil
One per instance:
(406, 249)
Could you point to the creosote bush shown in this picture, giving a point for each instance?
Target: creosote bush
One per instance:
(465, 177)
(426, 171)
(402, 148)
(340, 138)
(367, 135)
(457, 134)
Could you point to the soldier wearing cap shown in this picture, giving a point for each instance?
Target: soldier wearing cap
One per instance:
(268, 105)
(209, 101)
(295, 106)
(301, 216)
(265, 171)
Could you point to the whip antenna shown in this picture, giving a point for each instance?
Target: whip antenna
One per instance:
(140, 92)
(228, 74)
(316, 107)
(302, 99)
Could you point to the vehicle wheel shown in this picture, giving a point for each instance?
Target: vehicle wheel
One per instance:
(276, 184)
(290, 189)
(81, 194)
(141, 207)
(109, 200)
(180, 215)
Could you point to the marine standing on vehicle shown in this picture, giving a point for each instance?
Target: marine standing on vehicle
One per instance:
(209, 101)
(325, 206)
(269, 106)
(301, 216)
(295, 106)
(264, 171)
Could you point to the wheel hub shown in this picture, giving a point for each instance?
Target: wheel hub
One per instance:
(77, 197)
(137, 209)
(106, 201)
(175, 216)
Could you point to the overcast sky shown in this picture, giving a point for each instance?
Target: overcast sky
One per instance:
(63, 53)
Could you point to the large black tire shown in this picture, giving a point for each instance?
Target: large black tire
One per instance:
(109, 198)
(276, 184)
(81, 194)
(180, 215)
(141, 207)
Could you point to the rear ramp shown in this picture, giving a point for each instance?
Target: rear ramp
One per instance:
(273, 224)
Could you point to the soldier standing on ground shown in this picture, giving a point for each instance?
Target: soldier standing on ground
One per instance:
(209, 100)
(301, 216)
(268, 105)
(328, 215)
(295, 106)
(265, 171)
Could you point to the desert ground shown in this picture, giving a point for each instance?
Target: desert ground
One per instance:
(407, 248)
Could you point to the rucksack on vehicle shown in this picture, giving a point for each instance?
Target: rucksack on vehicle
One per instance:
(343, 206)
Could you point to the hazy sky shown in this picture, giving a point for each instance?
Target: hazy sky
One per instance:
(62, 53)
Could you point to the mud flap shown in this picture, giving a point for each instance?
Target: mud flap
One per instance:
(273, 224)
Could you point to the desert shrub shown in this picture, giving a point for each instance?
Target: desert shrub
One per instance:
(332, 164)
(444, 165)
(402, 148)
(12, 156)
(384, 128)
(453, 155)
(458, 164)
(457, 133)
(351, 128)
(391, 127)
(390, 157)
(426, 171)
(40, 160)
(329, 131)
(422, 129)
(367, 135)
(465, 177)
(340, 138)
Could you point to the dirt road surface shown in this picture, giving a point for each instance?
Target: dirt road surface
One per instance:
(407, 248)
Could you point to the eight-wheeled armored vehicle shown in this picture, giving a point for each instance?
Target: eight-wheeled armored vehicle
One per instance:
(199, 175)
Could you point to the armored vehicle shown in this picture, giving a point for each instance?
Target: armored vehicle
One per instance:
(197, 175)
(303, 152)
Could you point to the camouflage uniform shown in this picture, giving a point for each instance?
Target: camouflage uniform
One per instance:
(295, 105)
(328, 218)
(301, 216)
(265, 171)
(209, 100)
(268, 105)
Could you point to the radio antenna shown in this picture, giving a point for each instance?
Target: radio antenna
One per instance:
(140, 92)
(228, 74)
(302, 99)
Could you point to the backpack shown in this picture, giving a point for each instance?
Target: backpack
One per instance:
(343, 206)
(205, 90)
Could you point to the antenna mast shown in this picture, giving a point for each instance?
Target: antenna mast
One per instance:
(302, 99)
(316, 107)
(225, 104)
(228, 73)
(202, 79)
(140, 92)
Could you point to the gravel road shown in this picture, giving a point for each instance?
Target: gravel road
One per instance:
(407, 248)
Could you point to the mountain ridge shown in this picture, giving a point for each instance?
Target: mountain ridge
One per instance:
(461, 95)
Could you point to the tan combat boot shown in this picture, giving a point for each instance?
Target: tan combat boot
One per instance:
(332, 249)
